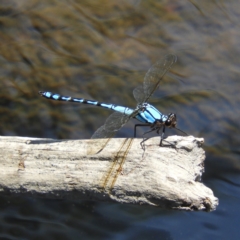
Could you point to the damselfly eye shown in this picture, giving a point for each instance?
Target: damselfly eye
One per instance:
(172, 120)
(168, 123)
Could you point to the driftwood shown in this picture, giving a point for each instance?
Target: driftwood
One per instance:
(122, 171)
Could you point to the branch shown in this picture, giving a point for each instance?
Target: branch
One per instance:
(122, 171)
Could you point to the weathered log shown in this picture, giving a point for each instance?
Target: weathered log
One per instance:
(159, 176)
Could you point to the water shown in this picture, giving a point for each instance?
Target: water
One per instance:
(102, 50)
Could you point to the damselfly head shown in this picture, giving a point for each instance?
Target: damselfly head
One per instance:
(171, 120)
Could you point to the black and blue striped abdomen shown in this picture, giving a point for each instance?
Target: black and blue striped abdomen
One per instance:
(147, 114)
(58, 97)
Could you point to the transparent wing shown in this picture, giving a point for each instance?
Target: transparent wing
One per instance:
(139, 95)
(113, 123)
(153, 78)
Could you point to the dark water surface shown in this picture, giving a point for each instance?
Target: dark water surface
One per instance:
(101, 50)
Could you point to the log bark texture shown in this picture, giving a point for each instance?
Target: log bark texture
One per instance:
(159, 176)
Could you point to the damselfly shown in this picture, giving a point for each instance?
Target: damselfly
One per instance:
(144, 112)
